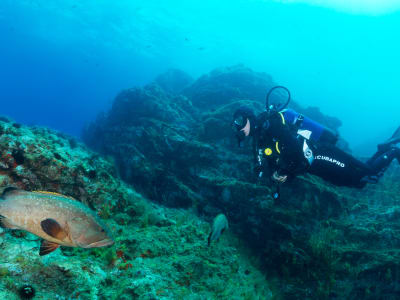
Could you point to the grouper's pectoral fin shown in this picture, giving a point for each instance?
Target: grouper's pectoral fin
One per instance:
(53, 229)
(47, 247)
(6, 223)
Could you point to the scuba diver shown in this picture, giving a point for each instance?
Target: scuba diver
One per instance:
(286, 144)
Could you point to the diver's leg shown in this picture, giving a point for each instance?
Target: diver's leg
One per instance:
(338, 167)
(380, 161)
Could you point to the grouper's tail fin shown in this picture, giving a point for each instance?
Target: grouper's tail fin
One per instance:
(5, 222)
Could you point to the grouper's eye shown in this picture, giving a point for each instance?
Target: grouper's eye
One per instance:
(102, 230)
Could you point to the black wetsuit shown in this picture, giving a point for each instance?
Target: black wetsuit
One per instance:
(279, 148)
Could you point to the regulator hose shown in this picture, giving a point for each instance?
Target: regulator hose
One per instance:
(268, 107)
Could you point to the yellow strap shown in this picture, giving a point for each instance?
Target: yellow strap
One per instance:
(50, 193)
(283, 118)
(277, 147)
(53, 194)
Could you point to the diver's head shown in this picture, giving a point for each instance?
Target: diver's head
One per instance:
(243, 123)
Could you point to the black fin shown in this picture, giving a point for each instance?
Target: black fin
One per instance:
(53, 228)
(47, 247)
(396, 134)
(395, 137)
(8, 191)
(390, 142)
(2, 225)
(209, 239)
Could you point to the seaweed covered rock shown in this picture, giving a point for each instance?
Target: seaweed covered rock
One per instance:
(40, 159)
(312, 243)
(145, 129)
(159, 253)
(174, 81)
(223, 85)
(152, 102)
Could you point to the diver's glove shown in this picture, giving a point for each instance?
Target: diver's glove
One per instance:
(279, 178)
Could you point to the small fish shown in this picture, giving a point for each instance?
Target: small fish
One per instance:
(219, 225)
(58, 219)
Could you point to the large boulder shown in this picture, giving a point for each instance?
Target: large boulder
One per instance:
(40, 159)
(314, 242)
(174, 81)
(223, 85)
(145, 129)
(159, 253)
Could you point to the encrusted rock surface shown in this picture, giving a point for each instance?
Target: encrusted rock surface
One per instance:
(174, 81)
(160, 253)
(316, 242)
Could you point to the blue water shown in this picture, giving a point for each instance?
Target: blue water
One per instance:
(63, 61)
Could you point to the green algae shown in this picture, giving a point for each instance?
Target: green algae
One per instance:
(159, 253)
(4, 272)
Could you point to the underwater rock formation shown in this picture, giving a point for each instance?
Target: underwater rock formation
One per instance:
(146, 128)
(159, 253)
(174, 81)
(225, 85)
(222, 86)
(316, 242)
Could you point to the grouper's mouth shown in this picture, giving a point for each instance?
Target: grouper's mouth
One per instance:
(102, 243)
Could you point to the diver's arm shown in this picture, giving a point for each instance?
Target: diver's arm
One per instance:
(291, 161)
(279, 178)
(292, 164)
(261, 164)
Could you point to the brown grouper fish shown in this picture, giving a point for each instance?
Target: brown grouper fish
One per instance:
(56, 218)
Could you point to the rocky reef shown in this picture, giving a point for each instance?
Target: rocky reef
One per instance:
(172, 144)
(159, 253)
(174, 81)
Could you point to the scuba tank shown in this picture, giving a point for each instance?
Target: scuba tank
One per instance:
(310, 129)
